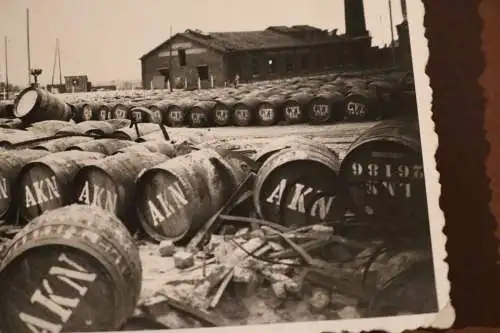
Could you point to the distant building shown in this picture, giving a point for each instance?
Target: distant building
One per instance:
(196, 59)
(77, 83)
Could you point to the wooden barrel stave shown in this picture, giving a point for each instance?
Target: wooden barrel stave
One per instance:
(61, 144)
(103, 146)
(88, 127)
(110, 183)
(46, 183)
(10, 137)
(383, 171)
(300, 181)
(88, 256)
(34, 104)
(48, 127)
(177, 196)
(153, 146)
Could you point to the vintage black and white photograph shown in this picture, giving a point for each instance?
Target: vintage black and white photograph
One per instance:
(218, 165)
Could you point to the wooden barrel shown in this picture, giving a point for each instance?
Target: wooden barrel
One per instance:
(298, 186)
(121, 111)
(201, 114)
(11, 162)
(73, 269)
(33, 104)
(362, 105)
(87, 111)
(244, 111)
(9, 137)
(287, 142)
(104, 112)
(177, 115)
(390, 96)
(48, 127)
(383, 171)
(12, 123)
(326, 107)
(119, 123)
(130, 133)
(159, 111)
(152, 146)
(61, 144)
(103, 146)
(270, 110)
(6, 109)
(141, 114)
(295, 108)
(223, 112)
(47, 183)
(176, 197)
(110, 183)
(88, 127)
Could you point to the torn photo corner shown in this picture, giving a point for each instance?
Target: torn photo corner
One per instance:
(296, 189)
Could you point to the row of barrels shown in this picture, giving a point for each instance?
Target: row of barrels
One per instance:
(355, 101)
(300, 180)
(58, 268)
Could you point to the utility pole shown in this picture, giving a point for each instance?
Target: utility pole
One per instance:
(6, 67)
(170, 62)
(28, 44)
(393, 50)
(59, 60)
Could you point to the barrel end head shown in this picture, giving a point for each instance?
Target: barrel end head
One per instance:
(26, 102)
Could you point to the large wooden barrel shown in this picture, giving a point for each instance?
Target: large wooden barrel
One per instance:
(47, 183)
(104, 111)
(176, 197)
(110, 183)
(130, 133)
(48, 127)
(201, 114)
(390, 95)
(295, 107)
(326, 107)
(61, 144)
(10, 137)
(159, 110)
(73, 269)
(89, 127)
(152, 146)
(223, 111)
(103, 146)
(87, 111)
(141, 114)
(270, 110)
(287, 142)
(297, 186)
(122, 110)
(362, 105)
(177, 115)
(11, 162)
(383, 172)
(244, 111)
(33, 104)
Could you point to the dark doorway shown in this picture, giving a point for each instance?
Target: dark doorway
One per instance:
(202, 72)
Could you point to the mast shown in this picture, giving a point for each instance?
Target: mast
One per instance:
(393, 50)
(28, 43)
(6, 67)
(170, 61)
(59, 60)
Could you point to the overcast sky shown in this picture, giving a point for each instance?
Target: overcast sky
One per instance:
(105, 38)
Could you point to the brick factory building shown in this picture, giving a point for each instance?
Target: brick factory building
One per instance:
(77, 83)
(197, 58)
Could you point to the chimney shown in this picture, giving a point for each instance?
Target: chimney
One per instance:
(355, 18)
(403, 9)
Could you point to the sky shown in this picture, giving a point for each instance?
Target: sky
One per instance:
(104, 39)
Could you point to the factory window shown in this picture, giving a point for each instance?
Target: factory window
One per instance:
(255, 66)
(271, 66)
(203, 72)
(289, 64)
(304, 62)
(182, 57)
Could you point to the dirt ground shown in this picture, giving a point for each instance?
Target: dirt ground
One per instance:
(259, 308)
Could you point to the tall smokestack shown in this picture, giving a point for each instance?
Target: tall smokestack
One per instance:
(355, 24)
(403, 9)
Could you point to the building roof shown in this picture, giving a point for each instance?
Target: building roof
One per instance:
(271, 38)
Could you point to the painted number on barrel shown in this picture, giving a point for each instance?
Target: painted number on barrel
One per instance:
(104, 115)
(320, 110)
(67, 276)
(121, 114)
(321, 207)
(157, 118)
(293, 112)
(197, 118)
(356, 109)
(266, 114)
(94, 195)
(41, 191)
(176, 115)
(243, 114)
(87, 113)
(169, 202)
(221, 115)
(388, 178)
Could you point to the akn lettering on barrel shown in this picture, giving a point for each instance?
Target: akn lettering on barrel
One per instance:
(320, 110)
(94, 195)
(293, 112)
(41, 191)
(266, 114)
(166, 207)
(61, 306)
(356, 109)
